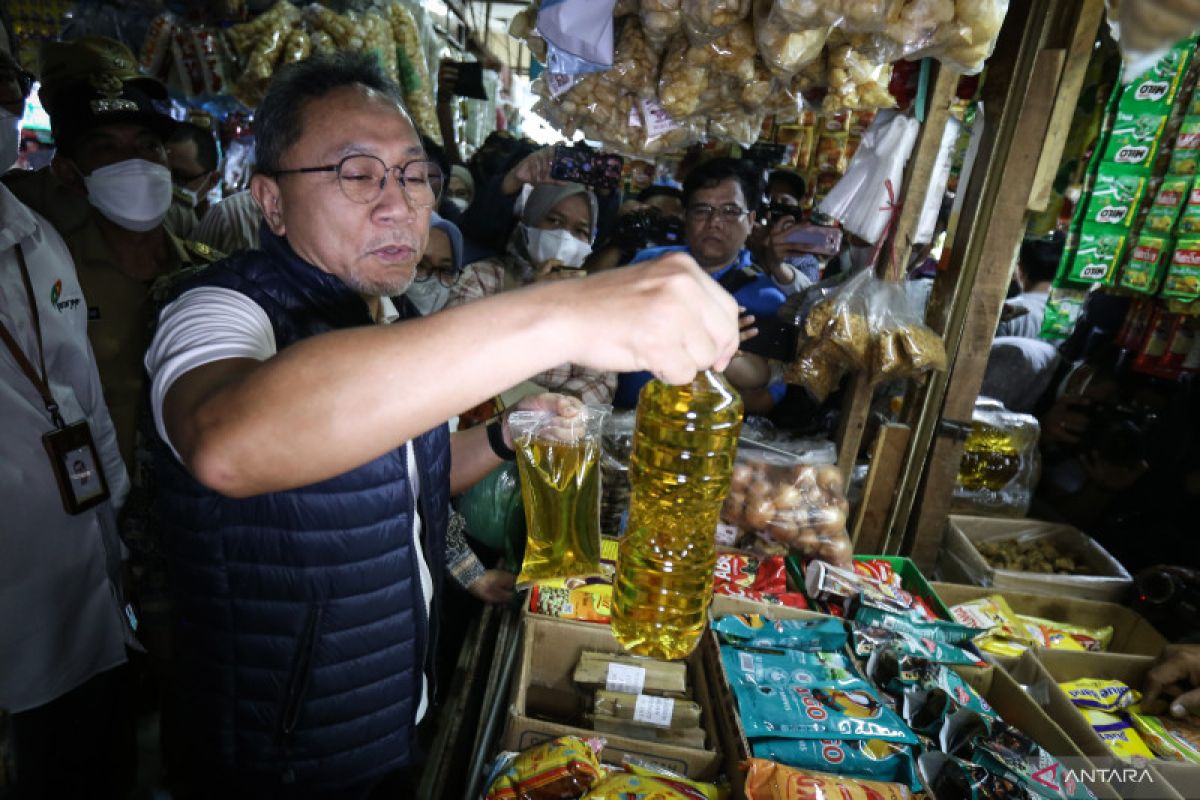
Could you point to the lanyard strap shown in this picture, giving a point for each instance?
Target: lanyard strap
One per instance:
(38, 379)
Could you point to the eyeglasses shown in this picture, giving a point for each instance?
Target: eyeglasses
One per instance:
(446, 277)
(728, 213)
(364, 177)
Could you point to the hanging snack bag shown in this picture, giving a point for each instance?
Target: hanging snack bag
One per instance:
(1168, 202)
(767, 780)
(1189, 220)
(1183, 271)
(1134, 139)
(903, 345)
(1186, 154)
(1115, 198)
(559, 463)
(1099, 251)
(781, 505)
(1143, 272)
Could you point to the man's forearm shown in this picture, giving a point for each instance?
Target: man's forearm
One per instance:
(471, 459)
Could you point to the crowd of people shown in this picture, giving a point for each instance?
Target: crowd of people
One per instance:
(229, 474)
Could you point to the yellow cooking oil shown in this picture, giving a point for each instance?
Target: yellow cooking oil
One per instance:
(679, 472)
(560, 487)
(991, 458)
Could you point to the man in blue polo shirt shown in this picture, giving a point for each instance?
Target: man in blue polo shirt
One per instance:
(721, 200)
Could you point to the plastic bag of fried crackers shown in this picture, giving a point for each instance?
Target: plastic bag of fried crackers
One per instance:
(767, 780)
(903, 346)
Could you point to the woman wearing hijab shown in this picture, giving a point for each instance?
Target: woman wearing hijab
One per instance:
(550, 243)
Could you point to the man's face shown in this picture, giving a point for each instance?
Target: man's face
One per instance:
(571, 215)
(183, 157)
(111, 144)
(373, 247)
(713, 238)
(667, 205)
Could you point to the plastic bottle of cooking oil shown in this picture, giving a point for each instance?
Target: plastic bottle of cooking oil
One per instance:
(679, 474)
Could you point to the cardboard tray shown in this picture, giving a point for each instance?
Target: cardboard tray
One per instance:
(961, 562)
(1132, 633)
(1045, 669)
(995, 685)
(550, 649)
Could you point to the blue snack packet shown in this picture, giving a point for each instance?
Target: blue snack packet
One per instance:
(809, 635)
(936, 630)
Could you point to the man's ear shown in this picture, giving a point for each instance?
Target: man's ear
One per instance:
(67, 171)
(265, 191)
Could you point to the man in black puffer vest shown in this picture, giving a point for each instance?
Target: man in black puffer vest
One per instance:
(304, 460)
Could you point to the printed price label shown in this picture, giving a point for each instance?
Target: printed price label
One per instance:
(654, 710)
(747, 662)
(557, 83)
(726, 534)
(625, 678)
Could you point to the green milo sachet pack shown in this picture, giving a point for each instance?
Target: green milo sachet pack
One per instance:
(1062, 311)
(1135, 138)
(1115, 198)
(1143, 272)
(1098, 253)
(1155, 89)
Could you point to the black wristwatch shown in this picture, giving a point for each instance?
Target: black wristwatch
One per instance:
(495, 434)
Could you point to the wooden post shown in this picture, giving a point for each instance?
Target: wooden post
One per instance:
(886, 459)
(917, 174)
(966, 305)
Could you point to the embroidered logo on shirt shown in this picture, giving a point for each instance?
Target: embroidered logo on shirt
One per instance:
(56, 298)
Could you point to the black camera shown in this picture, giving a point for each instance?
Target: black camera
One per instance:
(646, 228)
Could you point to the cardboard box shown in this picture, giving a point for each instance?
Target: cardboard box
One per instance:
(1047, 668)
(961, 562)
(550, 649)
(1132, 633)
(995, 685)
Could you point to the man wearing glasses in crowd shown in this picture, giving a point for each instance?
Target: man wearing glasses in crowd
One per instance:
(305, 466)
(721, 200)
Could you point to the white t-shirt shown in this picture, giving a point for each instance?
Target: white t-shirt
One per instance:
(212, 324)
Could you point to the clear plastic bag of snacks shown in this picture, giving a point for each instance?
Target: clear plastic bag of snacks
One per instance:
(902, 344)
(784, 48)
(558, 459)
(708, 19)
(783, 503)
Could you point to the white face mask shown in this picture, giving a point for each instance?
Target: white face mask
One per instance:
(428, 296)
(10, 139)
(556, 245)
(189, 195)
(134, 194)
(459, 202)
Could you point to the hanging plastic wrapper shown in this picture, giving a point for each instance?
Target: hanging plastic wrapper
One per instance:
(578, 34)
(855, 80)
(785, 49)
(704, 20)
(559, 463)
(719, 75)
(856, 199)
(901, 344)
(661, 19)
(1000, 465)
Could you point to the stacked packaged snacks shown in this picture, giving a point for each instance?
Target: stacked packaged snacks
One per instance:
(1010, 634)
(582, 599)
(640, 698)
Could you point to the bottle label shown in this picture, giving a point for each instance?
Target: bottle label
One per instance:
(625, 678)
(654, 710)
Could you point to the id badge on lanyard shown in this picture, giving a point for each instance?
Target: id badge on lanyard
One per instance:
(70, 448)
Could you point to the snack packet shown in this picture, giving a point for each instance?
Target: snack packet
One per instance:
(838, 709)
(1189, 220)
(870, 759)
(809, 635)
(563, 767)
(1169, 738)
(829, 583)
(579, 599)
(991, 614)
(767, 667)
(1183, 271)
(1117, 732)
(1099, 251)
(895, 675)
(695, 789)
(1134, 138)
(1115, 197)
(1007, 751)
(938, 630)
(558, 461)
(1143, 271)
(947, 776)
(1100, 694)
(1168, 202)
(1064, 636)
(999, 646)
(868, 639)
(767, 780)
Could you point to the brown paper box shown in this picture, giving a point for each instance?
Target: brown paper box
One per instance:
(1132, 633)
(1052, 667)
(550, 649)
(960, 562)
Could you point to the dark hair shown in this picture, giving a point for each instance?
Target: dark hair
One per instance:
(793, 183)
(1039, 258)
(207, 151)
(436, 154)
(717, 171)
(659, 191)
(278, 120)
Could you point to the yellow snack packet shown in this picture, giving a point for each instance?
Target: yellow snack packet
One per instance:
(1169, 738)
(991, 613)
(1065, 636)
(1100, 694)
(1118, 733)
(998, 646)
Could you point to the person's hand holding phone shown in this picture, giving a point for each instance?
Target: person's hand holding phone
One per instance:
(533, 169)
